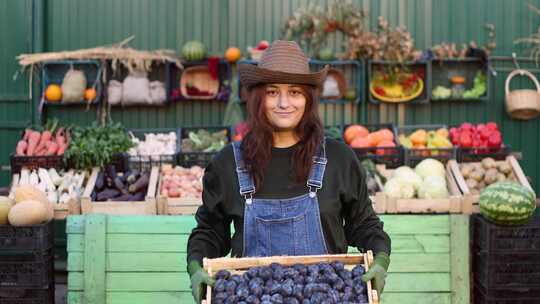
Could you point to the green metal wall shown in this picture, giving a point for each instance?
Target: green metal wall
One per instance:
(73, 24)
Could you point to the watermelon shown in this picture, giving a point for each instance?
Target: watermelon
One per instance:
(193, 51)
(507, 203)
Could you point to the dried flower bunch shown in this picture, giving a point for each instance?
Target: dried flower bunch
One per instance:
(451, 50)
(533, 39)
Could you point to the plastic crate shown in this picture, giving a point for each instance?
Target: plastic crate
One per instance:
(491, 237)
(30, 270)
(53, 72)
(477, 154)
(513, 295)
(413, 156)
(36, 238)
(506, 269)
(188, 159)
(443, 69)
(392, 157)
(416, 67)
(27, 296)
(35, 162)
(145, 162)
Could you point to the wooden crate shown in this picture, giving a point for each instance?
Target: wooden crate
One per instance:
(61, 210)
(148, 206)
(138, 259)
(470, 200)
(176, 205)
(240, 265)
(452, 204)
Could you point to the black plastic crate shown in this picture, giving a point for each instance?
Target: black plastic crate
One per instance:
(414, 156)
(514, 295)
(392, 157)
(491, 237)
(188, 158)
(145, 162)
(27, 296)
(477, 154)
(506, 269)
(35, 238)
(443, 69)
(35, 162)
(27, 270)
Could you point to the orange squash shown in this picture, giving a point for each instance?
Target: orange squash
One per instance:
(354, 131)
(386, 144)
(375, 138)
(90, 94)
(232, 54)
(360, 142)
(53, 93)
(387, 135)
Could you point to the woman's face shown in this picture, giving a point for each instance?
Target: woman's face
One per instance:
(285, 105)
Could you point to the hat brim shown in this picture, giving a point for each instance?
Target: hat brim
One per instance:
(252, 75)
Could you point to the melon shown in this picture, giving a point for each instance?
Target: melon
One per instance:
(507, 203)
(25, 193)
(193, 51)
(5, 205)
(29, 212)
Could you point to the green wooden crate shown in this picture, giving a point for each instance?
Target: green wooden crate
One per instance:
(142, 259)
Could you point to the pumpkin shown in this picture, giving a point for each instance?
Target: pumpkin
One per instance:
(193, 51)
(29, 212)
(360, 142)
(90, 94)
(25, 193)
(385, 144)
(5, 205)
(53, 93)
(354, 131)
(232, 54)
(386, 135)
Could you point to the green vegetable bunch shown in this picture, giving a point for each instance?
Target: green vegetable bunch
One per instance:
(479, 87)
(204, 141)
(95, 146)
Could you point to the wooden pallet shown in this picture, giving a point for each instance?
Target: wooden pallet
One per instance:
(470, 200)
(453, 204)
(240, 265)
(176, 205)
(148, 206)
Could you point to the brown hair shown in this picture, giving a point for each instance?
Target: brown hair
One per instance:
(257, 144)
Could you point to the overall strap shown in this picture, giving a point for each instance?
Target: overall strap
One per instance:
(245, 180)
(316, 175)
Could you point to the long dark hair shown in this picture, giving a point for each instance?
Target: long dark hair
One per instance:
(257, 144)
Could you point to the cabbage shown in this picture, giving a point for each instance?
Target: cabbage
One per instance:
(429, 167)
(399, 188)
(408, 175)
(433, 187)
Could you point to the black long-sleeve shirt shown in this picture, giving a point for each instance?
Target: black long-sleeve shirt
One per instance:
(347, 214)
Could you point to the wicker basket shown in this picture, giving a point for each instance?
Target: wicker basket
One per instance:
(199, 77)
(341, 82)
(524, 103)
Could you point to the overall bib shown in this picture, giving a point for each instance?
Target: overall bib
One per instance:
(289, 226)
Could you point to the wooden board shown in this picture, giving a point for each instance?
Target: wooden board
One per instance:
(133, 243)
(131, 297)
(148, 206)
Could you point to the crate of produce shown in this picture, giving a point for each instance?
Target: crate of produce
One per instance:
(200, 144)
(63, 188)
(123, 193)
(490, 237)
(471, 178)
(208, 79)
(393, 82)
(153, 147)
(460, 79)
(35, 238)
(425, 141)
(26, 270)
(227, 270)
(180, 190)
(406, 191)
(10, 295)
(62, 82)
(506, 295)
(377, 142)
(475, 142)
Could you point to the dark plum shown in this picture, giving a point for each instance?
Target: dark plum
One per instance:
(290, 300)
(219, 286)
(338, 266)
(277, 298)
(358, 270)
(230, 287)
(222, 274)
(265, 273)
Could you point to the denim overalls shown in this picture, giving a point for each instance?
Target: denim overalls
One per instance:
(289, 226)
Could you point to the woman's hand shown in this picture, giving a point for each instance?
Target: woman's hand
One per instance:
(199, 279)
(377, 272)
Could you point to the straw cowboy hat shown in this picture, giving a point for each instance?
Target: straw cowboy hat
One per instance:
(282, 62)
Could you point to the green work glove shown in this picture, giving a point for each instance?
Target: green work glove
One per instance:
(199, 279)
(377, 272)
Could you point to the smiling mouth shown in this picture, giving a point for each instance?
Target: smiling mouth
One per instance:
(283, 113)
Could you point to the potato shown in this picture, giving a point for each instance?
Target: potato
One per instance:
(501, 177)
(488, 163)
(504, 167)
(491, 176)
(466, 170)
(477, 175)
(471, 183)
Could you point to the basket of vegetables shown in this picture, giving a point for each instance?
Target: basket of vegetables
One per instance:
(377, 142)
(425, 141)
(153, 147)
(122, 193)
(199, 145)
(475, 142)
(180, 189)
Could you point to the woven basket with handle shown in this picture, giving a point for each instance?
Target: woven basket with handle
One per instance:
(523, 103)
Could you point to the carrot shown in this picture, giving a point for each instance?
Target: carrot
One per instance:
(33, 140)
(45, 138)
(27, 133)
(21, 147)
(52, 148)
(61, 149)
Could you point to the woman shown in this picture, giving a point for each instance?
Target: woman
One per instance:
(287, 190)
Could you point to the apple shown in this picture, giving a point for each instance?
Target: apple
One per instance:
(263, 45)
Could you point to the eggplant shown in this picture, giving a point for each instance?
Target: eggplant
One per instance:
(109, 182)
(107, 194)
(139, 196)
(93, 196)
(119, 185)
(100, 181)
(132, 177)
(140, 184)
(111, 171)
(123, 197)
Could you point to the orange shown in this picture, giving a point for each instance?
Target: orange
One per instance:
(53, 93)
(354, 131)
(232, 54)
(90, 94)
